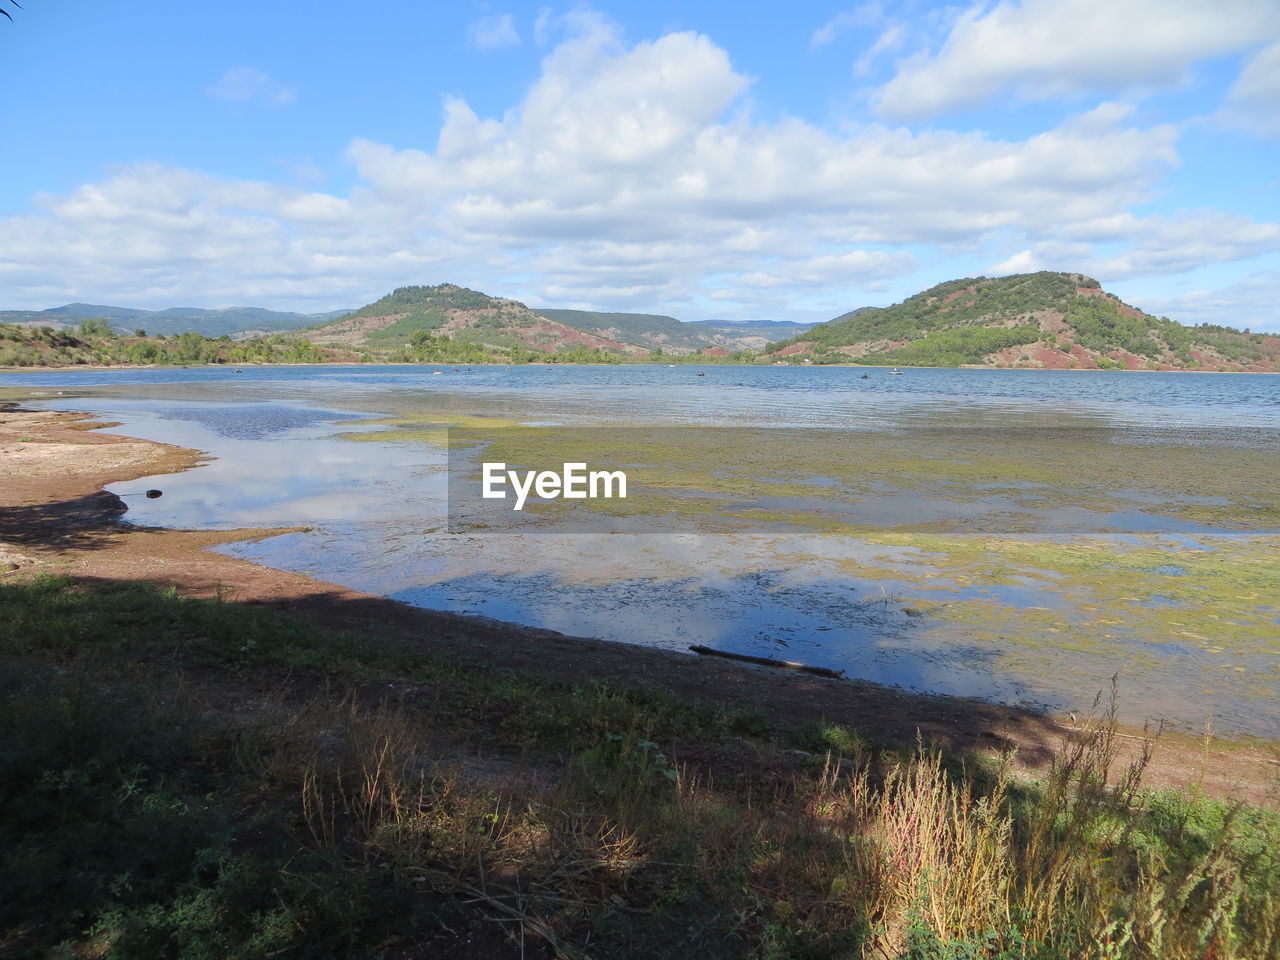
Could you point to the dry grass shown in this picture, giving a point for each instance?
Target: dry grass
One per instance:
(913, 860)
(614, 849)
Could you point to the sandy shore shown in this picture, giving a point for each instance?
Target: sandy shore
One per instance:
(55, 517)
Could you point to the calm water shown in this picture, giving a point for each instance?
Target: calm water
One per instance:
(774, 395)
(378, 513)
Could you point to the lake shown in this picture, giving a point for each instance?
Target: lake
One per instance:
(1016, 535)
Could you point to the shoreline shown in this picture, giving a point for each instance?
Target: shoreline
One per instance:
(55, 517)
(710, 362)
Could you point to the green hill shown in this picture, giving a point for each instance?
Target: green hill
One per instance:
(451, 323)
(489, 327)
(1048, 320)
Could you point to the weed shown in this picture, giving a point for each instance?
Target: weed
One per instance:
(139, 823)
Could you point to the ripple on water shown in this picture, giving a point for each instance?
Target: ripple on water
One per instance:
(838, 601)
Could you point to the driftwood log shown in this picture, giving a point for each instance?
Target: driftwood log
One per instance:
(768, 662)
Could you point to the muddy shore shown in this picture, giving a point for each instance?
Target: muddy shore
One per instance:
(55, 517)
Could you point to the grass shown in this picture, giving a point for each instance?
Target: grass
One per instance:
(195, 778)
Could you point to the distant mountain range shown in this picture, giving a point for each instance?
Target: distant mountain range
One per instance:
(233, 321)
(470, 317)
(1038, 320)
(676, 336)
(465, 315)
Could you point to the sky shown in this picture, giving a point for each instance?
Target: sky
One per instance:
(713, 160)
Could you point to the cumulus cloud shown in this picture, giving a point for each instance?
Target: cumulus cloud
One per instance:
(649, 146)
(1037, 49)
(249, 85)
(1157, 245)
(1249, 303)
(493, 32)
(627, 177)
(1162, 245)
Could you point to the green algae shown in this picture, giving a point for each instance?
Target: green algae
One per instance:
(1220, 604)
(436, 429)
(1140, 601)
(1018, 475)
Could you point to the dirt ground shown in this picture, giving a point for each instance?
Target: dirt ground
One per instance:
(55, 517)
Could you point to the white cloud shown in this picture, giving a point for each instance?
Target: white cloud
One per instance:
(1156, 245)
(1162, 245)
(542, 27)
(1024, 261)
(1248, 303)
(249, 85)
(862, 16)
(837, 269)
(493, 32)
(1039, 49)
(1254, 100)
(889, 40)
(628, 176)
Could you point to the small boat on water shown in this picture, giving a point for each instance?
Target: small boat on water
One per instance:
(895, 372)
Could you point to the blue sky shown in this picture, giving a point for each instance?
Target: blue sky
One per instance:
(777, 161)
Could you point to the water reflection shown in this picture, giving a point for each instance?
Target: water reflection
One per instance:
(378, 509)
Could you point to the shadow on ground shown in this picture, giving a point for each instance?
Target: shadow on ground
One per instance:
(90, 522)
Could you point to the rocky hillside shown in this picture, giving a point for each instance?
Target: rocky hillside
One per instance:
(472, 325)
(413, 315)
(1047, 320)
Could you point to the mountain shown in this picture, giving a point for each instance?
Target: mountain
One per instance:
(465, 316)
(422, 316)
(1046, 320)
(236, 322)
(670, 335)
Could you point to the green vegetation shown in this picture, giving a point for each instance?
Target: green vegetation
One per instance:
(95, 343)
(325, 821)
(666, 333)
(1072, 463)
(975, 556)
(46, 347)
(425, 347)
(427, 301)
(959, 322)
(957, 303)
(424, 322)
(425, 310)
(421, 330)
(953, 347)
(965, 321)
(175, 320)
